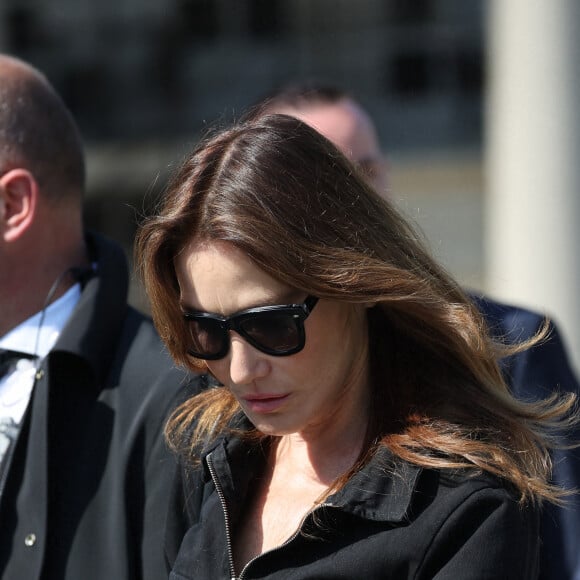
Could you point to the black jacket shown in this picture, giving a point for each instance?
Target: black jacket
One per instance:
(86, 495)
(419, 523)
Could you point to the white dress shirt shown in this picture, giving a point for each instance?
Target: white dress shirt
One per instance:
(34, 336)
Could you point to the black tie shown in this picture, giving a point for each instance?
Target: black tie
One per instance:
(9, 358)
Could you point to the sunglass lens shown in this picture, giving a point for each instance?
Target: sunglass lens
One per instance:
(274, 332)
(208, 338)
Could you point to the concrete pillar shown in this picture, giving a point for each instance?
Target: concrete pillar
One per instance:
(532, 231)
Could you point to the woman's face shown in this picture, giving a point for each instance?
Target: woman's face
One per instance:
(325, 384)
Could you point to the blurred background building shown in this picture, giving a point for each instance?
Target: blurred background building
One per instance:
(145, 78)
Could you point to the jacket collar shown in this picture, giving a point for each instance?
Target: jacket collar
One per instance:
(94, 328)
(381, 491)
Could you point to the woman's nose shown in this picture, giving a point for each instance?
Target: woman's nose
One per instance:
(246, 363)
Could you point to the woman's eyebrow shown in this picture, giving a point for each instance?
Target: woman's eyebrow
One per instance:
(280, 300)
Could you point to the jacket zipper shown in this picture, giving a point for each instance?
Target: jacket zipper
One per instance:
(222, 498)
(290, 539)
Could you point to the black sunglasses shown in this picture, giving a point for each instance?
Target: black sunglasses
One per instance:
(274, 330)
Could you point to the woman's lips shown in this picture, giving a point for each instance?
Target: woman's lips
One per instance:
(265, 403)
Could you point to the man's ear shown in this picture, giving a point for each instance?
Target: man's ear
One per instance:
(18, 202)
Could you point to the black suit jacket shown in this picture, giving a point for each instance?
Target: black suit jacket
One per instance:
(86, 494)
(535, 374)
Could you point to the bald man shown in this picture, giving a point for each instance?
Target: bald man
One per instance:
(85, 384)
(341, 120)
(532, 374)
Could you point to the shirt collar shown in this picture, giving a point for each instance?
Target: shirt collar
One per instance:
(37, 335)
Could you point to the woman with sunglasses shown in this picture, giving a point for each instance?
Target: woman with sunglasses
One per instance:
(360, 427)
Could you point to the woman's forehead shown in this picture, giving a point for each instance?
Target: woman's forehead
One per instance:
(218, 277)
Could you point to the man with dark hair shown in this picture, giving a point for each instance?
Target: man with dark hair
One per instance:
(533, 374)
(85, 384)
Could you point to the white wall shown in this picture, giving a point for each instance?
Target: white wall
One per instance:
(533, 159)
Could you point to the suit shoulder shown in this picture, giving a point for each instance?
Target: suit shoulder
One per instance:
(143, 361)
(515, 323)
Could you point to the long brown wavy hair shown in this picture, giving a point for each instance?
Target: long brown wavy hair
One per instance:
(285, 196)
